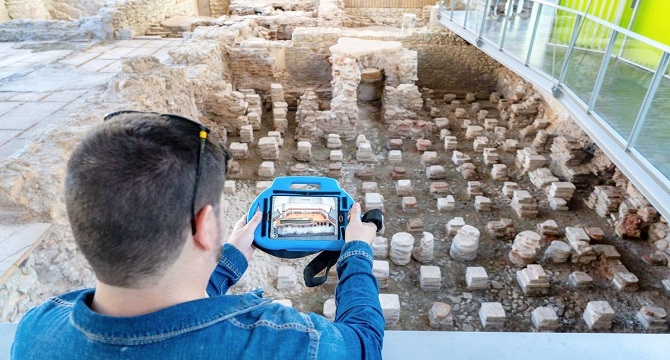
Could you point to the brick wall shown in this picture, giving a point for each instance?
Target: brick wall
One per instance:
(445, 61)
(219, 7)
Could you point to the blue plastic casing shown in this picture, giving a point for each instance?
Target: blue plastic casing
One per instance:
(281, 186)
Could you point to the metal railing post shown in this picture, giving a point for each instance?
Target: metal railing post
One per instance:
(453, 7)
(505, 23)
(566, 60)
(648, 99)
(630, 25)
(467, 13)
(532, 36)
(481, 28)
(601, 73)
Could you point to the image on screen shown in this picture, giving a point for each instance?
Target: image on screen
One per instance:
(304, 218)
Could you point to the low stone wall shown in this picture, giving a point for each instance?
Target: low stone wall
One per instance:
(126, 19)
(265, 7)
(134, 17)
(383, 16)
(87, 28)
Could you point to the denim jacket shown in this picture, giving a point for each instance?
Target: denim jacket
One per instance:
(221, 326)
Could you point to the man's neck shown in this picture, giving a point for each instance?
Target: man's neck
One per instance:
(117, 301)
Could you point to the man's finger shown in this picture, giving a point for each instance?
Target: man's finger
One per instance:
(240, 223)
(255, 220)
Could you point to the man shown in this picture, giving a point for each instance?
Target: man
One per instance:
(143, 197)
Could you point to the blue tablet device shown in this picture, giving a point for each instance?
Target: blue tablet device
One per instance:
(301, 214)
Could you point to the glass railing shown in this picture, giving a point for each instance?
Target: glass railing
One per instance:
(618, 78)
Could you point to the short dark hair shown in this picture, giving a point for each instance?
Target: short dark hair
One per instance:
(128, 192)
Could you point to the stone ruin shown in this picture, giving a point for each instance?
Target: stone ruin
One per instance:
(496, 215)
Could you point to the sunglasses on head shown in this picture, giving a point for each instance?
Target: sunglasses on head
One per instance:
(203, 134)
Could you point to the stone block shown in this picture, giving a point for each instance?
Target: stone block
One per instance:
(395, 156)
(286, 278)
(598, 315)
(492, 315)
(440, 316)
(380, 247)
(430, 278)
(229, 187)
(335, 155)
(579, 279)
(380, 269)
(476, 278)
(240, 151)
(409, 204)
(653, 318)
(545, 319)
(404, 188)
(329, 309)
(446, 203)
(266, 169)
(454, 225)
(374, 201)
(390, 308)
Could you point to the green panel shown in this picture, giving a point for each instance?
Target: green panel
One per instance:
(651, 20)
(592, 35)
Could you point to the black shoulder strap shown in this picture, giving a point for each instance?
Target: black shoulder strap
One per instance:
(325, 260)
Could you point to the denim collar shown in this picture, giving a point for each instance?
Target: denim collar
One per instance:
(162, 324)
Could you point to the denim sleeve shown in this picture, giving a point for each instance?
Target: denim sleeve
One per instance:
(230, 269)
(359, 314)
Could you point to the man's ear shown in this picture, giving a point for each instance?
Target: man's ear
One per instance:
(206, 227)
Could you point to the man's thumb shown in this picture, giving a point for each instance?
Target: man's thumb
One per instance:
(355, 210)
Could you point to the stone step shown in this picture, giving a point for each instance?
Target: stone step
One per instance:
(16, 244)
(158, 33)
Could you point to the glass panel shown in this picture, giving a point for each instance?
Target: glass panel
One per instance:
(586, 58)
(654, 139)
(548, 51)
(520, 29)
(494, 22)
(475, 15)
(640, 53)
(457, 11)
(623, 90)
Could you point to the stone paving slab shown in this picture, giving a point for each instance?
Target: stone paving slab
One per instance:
(7, 135)
(28, 114)
(6, 106)
(29, 96)
(39, 86)
(12, 147)
(16, 243)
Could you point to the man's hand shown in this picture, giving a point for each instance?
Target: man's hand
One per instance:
(358, 230)
(242, 236)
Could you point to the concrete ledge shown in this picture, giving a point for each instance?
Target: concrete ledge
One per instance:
(7, 331)
(426, 345)
(524, 346)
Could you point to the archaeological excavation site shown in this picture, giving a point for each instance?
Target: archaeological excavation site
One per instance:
(502, 210)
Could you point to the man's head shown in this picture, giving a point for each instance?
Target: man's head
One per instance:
(129, 189)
